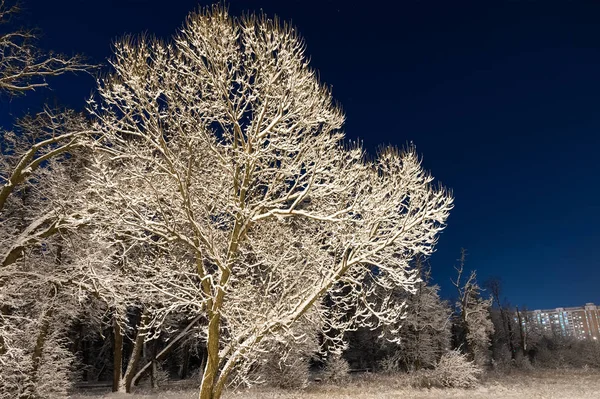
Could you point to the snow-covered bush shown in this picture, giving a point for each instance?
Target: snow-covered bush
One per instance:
(288, 364)
(562, 352)
(522, 362)
(336, 369)
(291, 372)
(57, 371)
(425, 330)
(14, 380)
(454, 370)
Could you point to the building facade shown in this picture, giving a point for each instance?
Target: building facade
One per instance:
(578, 322)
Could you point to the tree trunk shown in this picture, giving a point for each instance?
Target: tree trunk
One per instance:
(417, 363)
(117, 355)
(511, 335)
(44, 328)
(523, 333)
(4, 310)
(136, 351)
(212, 363)
(154, 371)
(36, 358)
(203, 360)
(185, 366)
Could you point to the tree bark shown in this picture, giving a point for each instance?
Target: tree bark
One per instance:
(154, 371)
(523, 333)
(511, 333)
(36, 358)
(185, 364)
(212, 363)
(495, 286)
(117, 355)
(4, 310)
(43, 333)
(127, 379)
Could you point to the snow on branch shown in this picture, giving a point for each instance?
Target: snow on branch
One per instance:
(220, 157)
(23, 67)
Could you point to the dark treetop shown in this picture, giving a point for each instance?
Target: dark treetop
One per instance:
(501, 98)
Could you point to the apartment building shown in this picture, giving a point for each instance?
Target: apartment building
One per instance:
(577, 322)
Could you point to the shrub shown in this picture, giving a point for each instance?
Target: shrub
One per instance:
(522, 362)
(562, 352)
(454, 370)
(287, 364)
(336, 369)
(292, 372)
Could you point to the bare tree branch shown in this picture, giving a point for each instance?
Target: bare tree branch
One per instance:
(23, 67)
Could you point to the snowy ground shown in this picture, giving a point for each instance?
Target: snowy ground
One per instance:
(560, 384)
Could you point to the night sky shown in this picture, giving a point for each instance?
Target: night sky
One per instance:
(502, 99)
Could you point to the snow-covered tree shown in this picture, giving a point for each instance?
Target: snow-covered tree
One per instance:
(474, 326)
(44, 215)
(222, 160)
(39, 288)
(425, 332)
(34, 181)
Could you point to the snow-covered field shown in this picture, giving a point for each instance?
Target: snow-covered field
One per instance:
(559, 384)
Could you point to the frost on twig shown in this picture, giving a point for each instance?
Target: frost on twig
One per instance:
(23, 67)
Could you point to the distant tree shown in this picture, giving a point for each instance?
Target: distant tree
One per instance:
(425, 335)
(425, 331)
(530, 332)
(505, 342)
(366, 349)
(221, 158)
(474, 327)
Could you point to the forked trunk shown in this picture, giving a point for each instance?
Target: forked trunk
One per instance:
(136, 352)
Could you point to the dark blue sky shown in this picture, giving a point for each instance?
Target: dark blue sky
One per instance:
(501, 98)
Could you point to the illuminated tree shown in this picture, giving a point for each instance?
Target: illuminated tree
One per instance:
(222, 160)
